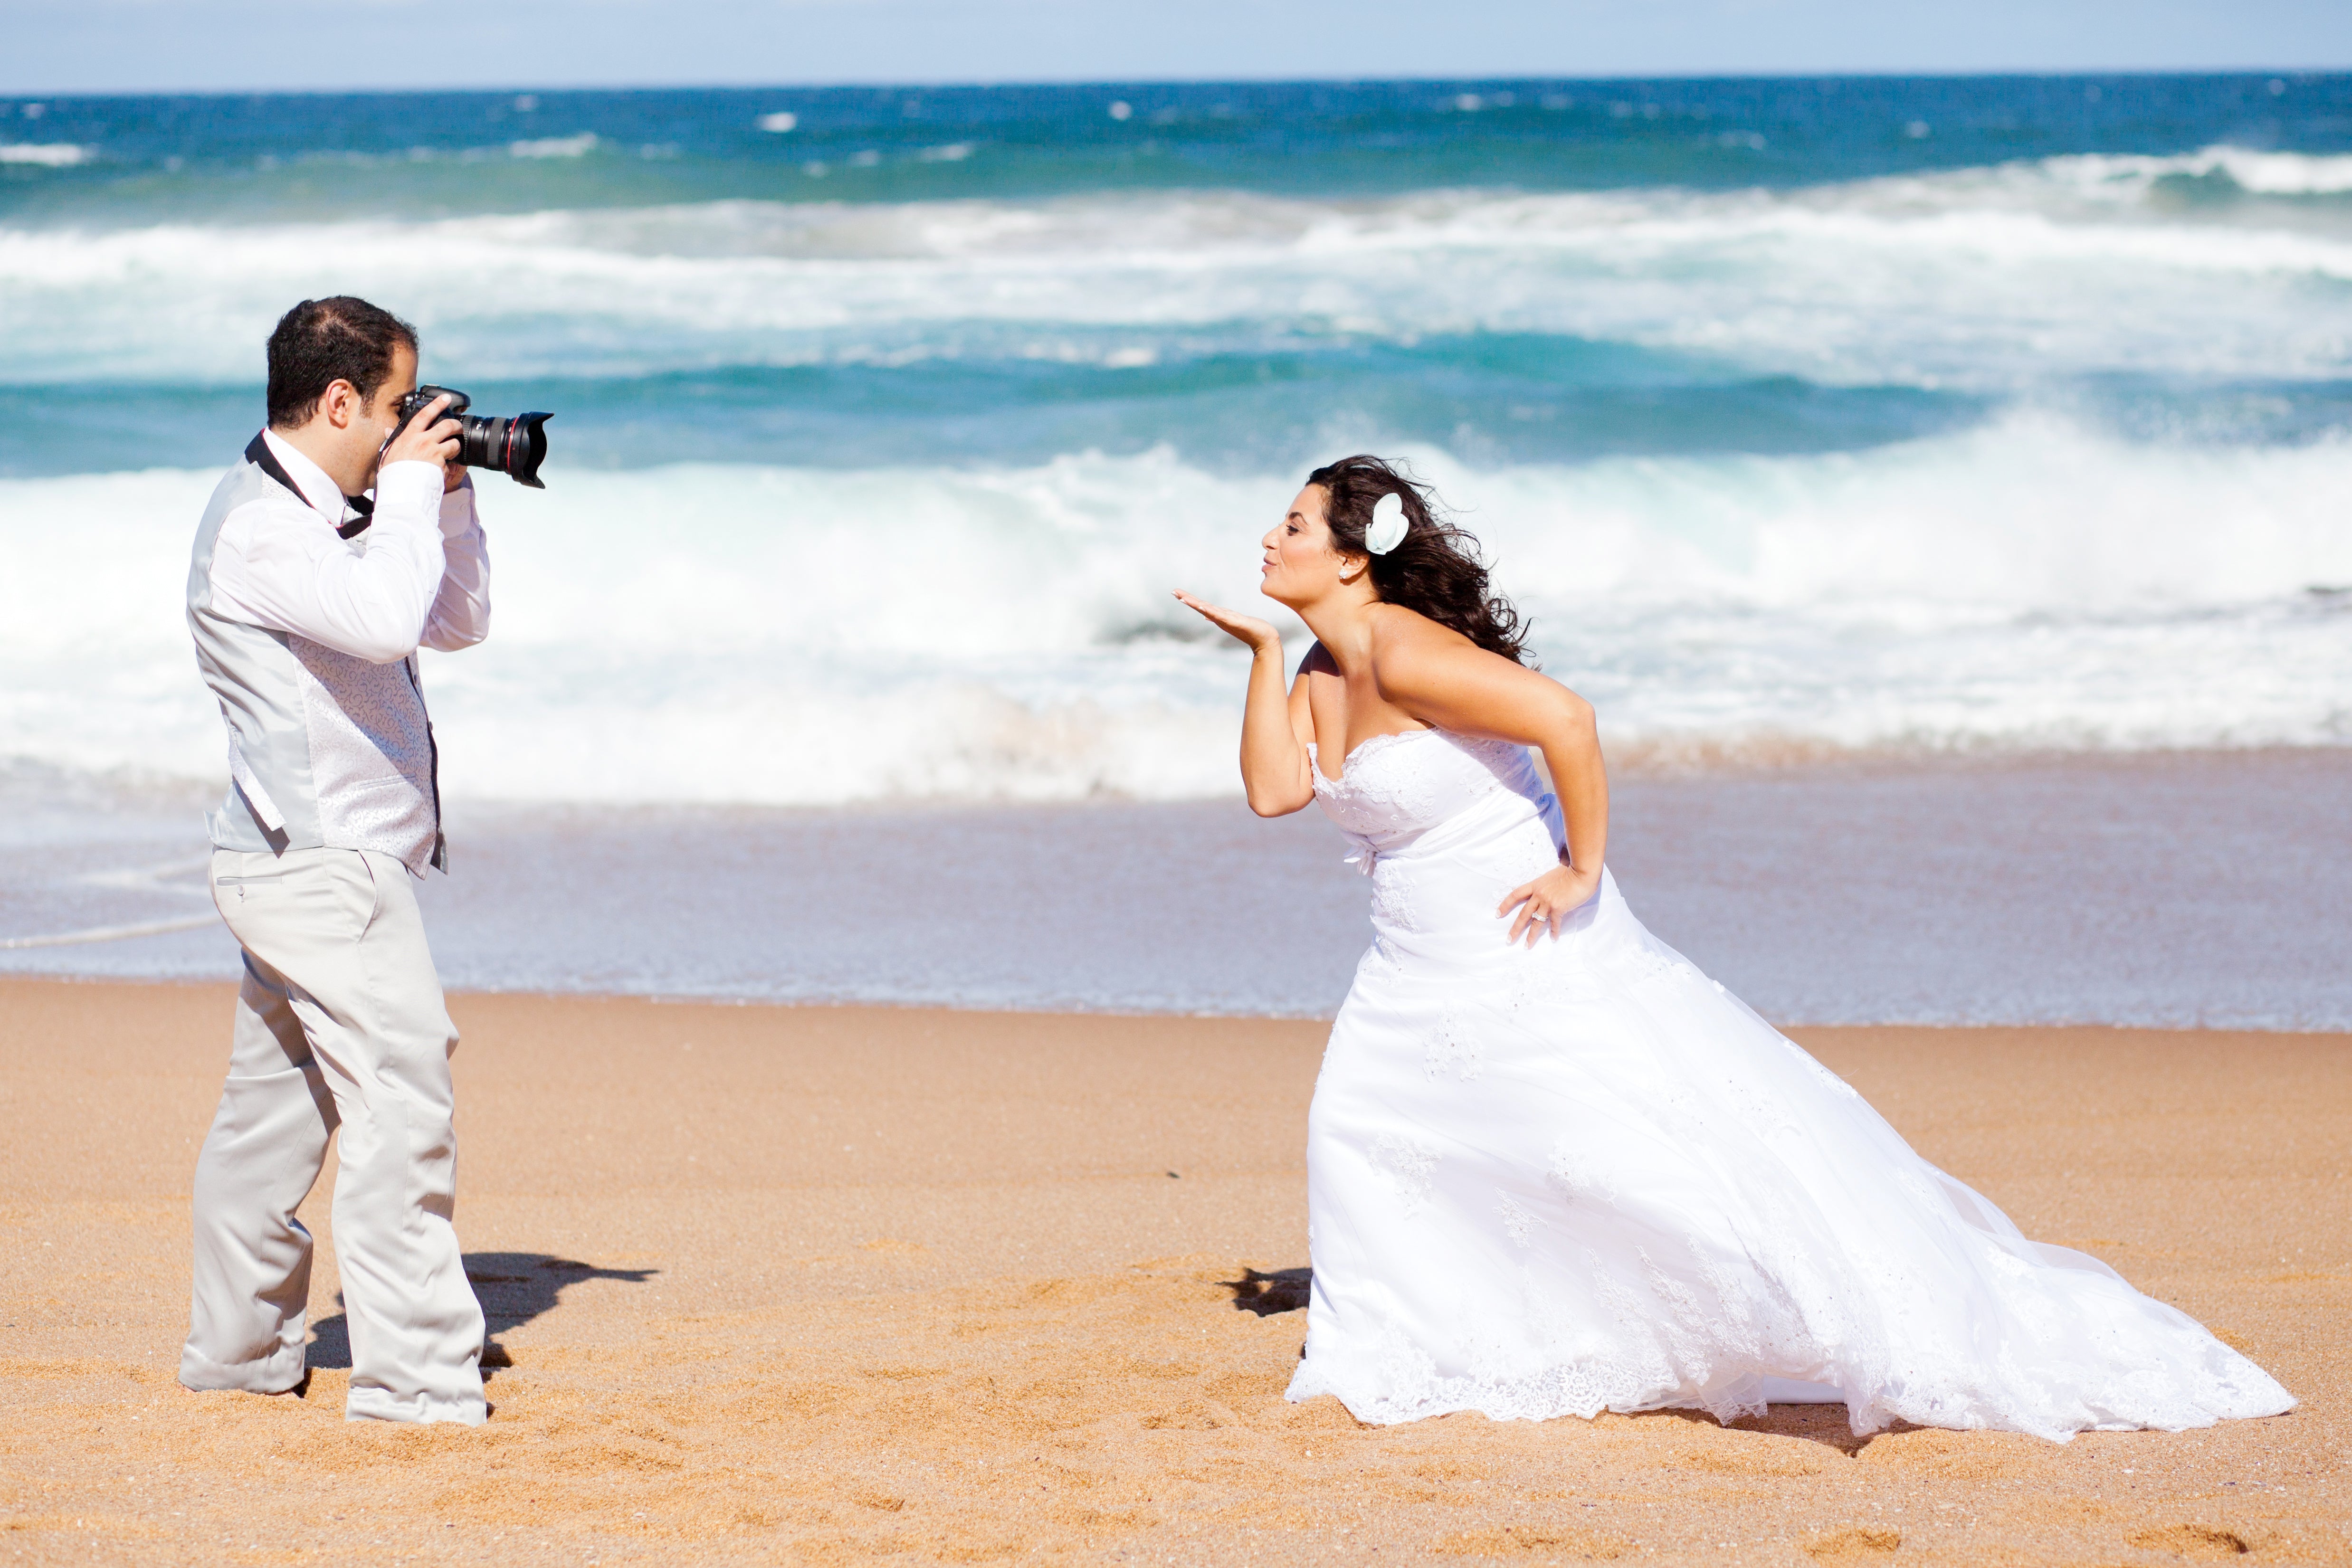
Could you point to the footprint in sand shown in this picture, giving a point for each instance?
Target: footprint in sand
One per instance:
(1553, 1545)
(2197, 1540)
(1859, 1544)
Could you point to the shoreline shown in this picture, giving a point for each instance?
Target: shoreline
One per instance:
(1695, 760)
(2026, 894)
(457, 996)
(790, 1283)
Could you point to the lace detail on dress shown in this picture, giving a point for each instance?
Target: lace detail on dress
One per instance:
(1453, 1045)
(1391, 797)
(1379, 790)
(1646, 964)
(1392, 897)
(1405, 1166)
(1538, 977)
(1577, 1175)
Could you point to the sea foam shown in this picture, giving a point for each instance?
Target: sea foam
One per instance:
(1983, 278)
(46, 154)
(810, 636)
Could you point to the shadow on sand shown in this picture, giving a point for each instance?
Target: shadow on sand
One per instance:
(1288, 1290)
(1823, 1424)
(1282, 1291)
(513, 1288)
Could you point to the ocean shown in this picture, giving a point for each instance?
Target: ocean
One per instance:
(1850, 429)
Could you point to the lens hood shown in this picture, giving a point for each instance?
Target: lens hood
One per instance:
(515, 448)
(524, 447)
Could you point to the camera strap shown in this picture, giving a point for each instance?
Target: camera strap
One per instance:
(257, 453)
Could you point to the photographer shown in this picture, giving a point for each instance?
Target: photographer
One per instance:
(308, 603)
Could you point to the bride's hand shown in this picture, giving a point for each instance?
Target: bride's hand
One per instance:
(1259, 634)
(1545, 903)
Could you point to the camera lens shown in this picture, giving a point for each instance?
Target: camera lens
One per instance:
(515, 448)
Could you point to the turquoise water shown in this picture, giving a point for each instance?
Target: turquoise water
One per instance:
(1864, 425)
(290, 157)
(1807, 418)
(1238, 366)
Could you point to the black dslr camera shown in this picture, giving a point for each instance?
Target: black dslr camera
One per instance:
(515, 448)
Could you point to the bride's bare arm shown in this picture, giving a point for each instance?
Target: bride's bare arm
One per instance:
(1275, 724)
(1440, 678)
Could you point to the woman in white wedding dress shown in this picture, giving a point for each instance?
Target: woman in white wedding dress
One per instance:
(1553, 1169)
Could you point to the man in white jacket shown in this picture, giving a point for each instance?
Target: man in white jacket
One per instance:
(308, 601)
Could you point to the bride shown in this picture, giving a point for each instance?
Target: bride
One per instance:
(1553, 1169)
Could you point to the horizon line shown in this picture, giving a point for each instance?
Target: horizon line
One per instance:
(883, 84)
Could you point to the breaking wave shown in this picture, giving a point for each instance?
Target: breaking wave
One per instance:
(808, 636)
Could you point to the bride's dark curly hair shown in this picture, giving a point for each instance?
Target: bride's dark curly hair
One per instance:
(1435, 570)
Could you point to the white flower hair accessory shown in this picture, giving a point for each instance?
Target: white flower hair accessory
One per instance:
(1388, 525)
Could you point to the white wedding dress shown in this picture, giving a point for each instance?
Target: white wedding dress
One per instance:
(1584, 1178)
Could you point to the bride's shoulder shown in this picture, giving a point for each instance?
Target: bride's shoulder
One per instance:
(1403, 638)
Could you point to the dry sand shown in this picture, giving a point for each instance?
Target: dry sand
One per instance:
(828, 1284)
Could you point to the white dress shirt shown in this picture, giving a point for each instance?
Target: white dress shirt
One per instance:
(418, 576)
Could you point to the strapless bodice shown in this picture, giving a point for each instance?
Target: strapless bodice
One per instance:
(1445, 825)
(1395, 785)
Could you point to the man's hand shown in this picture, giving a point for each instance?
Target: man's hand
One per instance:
(429, 438)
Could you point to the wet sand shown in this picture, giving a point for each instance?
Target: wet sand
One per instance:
(820, 1285)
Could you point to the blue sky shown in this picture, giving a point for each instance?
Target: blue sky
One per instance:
(129, 45)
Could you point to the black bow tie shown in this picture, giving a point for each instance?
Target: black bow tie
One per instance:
(257, 453)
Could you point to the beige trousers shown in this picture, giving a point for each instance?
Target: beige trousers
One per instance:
(340, 1031)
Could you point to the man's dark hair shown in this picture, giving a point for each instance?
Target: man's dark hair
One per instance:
(322, 342)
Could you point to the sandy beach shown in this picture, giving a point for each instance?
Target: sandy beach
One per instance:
(814, 1284)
